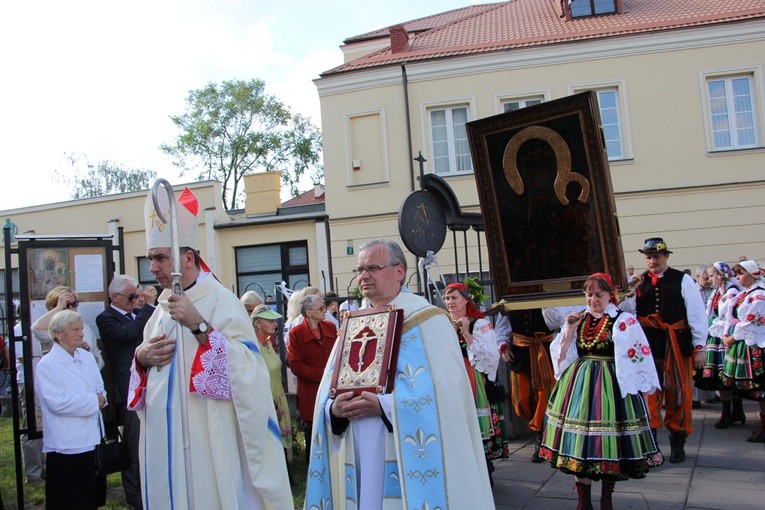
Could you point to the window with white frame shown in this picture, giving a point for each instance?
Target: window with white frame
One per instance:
(610, 118)
(450, 149)
(732, 112)
(511, 105)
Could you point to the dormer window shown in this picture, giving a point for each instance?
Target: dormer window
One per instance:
(586, 8)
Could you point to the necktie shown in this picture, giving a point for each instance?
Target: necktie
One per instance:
(129, 316)
(654, 278)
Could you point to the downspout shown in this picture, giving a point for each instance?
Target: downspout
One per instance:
(329, 254)
(405, 85)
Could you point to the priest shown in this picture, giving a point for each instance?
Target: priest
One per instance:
(236, 456)
(417, 447)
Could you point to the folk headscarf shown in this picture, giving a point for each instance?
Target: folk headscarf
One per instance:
(471, 310)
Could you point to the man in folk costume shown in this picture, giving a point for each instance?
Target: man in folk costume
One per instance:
(670, 310)
(235, 449)
(417, 447)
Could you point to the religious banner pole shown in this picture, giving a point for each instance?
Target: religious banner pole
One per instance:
(177, 289)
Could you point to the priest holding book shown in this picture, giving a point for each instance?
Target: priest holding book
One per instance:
(418, 446)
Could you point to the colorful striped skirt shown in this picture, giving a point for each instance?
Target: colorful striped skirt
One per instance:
(744, 370)
(592, 432)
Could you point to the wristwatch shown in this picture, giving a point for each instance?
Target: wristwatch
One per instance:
(203, 327)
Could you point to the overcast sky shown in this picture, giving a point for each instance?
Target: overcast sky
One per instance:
(101, 78)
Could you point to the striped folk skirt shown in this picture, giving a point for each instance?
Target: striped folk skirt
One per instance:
(592, 432)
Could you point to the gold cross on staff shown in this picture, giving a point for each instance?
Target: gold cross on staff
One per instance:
(363, 339)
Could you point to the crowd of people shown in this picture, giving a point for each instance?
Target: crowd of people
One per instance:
(190, 373)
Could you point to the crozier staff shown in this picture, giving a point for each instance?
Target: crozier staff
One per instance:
(233, 430)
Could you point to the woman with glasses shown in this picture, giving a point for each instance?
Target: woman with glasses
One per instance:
(744, 336)
(264, 320)
(309, 348)
(64, 298)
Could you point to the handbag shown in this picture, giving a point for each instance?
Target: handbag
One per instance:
(112, 456)
(495, 391)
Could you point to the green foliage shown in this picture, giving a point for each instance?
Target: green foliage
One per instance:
(234, 128)
(105, 177)
(475, 290)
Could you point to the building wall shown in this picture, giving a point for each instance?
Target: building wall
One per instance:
(103, 215)
(670, 184)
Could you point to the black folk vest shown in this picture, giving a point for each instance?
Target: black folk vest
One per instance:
(666, 299)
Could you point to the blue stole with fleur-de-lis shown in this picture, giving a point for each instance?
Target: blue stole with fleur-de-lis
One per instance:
(418, 476)
(419, 441)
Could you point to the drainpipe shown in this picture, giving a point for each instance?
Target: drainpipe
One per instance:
(405, 85)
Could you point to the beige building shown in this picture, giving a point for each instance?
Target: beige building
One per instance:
(681, 93)
(267, 242)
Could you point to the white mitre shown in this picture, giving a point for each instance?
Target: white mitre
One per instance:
(158, 233)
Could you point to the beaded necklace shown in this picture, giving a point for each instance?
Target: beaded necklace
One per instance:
(591, 333)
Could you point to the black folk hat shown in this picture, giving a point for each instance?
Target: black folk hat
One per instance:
(654, 245)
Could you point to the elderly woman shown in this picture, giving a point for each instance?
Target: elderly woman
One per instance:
(264, 321)
(64, 298)
(481, 358)
(744, 337)
(311, 343)
(597, 424)
(251, 300)
(71, 395)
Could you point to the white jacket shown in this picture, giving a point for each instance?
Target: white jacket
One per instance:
(66, 388)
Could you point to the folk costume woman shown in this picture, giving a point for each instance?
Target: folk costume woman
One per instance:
(481, 357)
(745, 338)
(726, 288)
(597, 424)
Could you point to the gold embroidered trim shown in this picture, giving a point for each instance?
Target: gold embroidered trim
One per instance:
(422, 316)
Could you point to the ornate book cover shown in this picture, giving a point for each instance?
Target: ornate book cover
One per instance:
(366, 357)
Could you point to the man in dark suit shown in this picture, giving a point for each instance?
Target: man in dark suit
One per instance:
(121, 329)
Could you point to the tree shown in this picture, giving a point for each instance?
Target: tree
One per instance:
(102, 178)
(233, 128)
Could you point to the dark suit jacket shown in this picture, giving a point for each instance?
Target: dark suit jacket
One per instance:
(120, 337)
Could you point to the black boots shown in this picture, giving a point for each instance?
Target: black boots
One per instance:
(490, 469)
(724, 420)
(732, 412)
(759, 436)
(737, 413)
(584, 492)
(605, 495)
(535, 458)
(677, 447)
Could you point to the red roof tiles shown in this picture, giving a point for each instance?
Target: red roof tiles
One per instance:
(524, 23)
(307, 198)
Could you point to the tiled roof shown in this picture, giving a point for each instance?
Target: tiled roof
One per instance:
(526, 23)
(427, 23)
(307, 198)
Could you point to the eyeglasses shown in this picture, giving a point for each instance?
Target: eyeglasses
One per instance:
(130, 297)
(320, 309)
(73, 304)
(372, 268)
